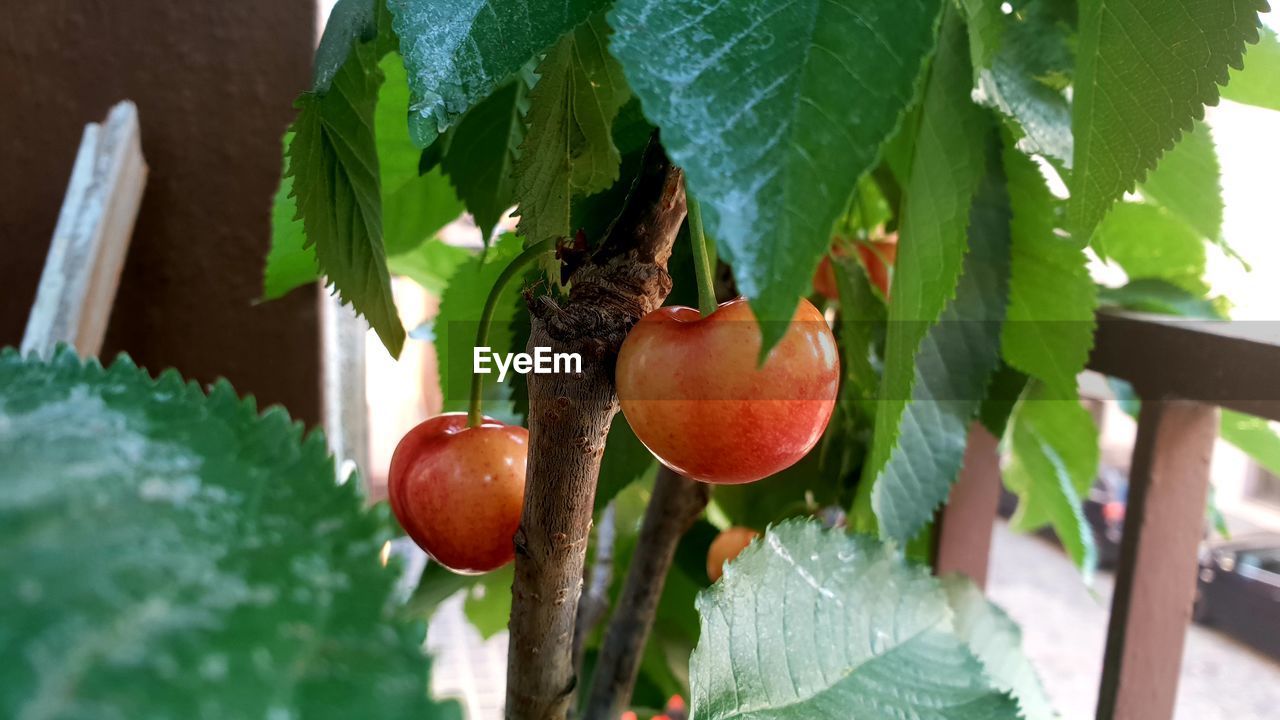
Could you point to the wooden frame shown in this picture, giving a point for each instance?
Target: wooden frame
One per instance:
(78, 285)
(1183, 370)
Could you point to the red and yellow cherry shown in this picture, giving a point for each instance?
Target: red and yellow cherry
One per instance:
(727, 546)
(877, 256)
(458, 491)
(693, 392)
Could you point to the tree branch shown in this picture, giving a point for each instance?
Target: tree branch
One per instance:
(675, 505)
(569, 418)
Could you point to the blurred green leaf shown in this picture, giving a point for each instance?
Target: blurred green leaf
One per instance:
(1259, 82)
(1147, 241)
(996, 640)
(1255, 436)
(1186, 182)
(625, 460)
(1053, 463)
(1154, 295)
(488, 603)
(169, 553)
(431, 264)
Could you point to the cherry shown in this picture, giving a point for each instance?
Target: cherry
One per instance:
(727, 546)
(692, 391)
(458, 491)
(877, 256)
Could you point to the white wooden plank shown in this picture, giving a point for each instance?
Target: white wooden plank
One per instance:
(78, 285)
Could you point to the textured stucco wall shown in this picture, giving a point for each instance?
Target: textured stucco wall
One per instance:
(214, 82)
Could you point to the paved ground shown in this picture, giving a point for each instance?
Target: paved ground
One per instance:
(1064, 631)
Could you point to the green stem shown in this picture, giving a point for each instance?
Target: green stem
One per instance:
(531, 253)
(704, 258)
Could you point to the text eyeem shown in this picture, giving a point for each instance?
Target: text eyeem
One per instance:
(541, 362)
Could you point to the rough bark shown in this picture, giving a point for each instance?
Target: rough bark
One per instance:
(569, 418)
(674, 506)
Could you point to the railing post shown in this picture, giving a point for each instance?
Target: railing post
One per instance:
(1156, 578)
(964, 536)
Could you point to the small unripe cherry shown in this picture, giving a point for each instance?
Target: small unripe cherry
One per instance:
(727, 546)
(458, 491)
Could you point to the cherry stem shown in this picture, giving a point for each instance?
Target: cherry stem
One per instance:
(474, 414)
(704, 258)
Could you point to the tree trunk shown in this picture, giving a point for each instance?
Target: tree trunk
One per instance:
(675, 505)
(569, 418)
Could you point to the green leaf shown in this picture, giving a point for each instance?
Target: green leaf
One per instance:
(986, 26)
(816, 624)
(861, 329)
(1187, 183)
(398, 157)
(413, 207)
(997, 642)
(625, 460)
(1007, 384)
(1052, 296)
(169, 553)
(458, 320)
(950, 160)
(483, 150)
(488, 603)
(1259, 82)
(350, 23)
(458, 51)
(951, 371)
(290, 263)
(1053, 462)
(430, 265)
(333, 160)
(569, 148)
(1148, 241)
(416, 212)
(435, 585)
(774, 112)
(1159, 296)
(1255, 436)
(415, 204)
(1026, 78)
(1145, 70)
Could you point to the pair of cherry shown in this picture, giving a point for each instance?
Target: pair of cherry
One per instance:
(692, 391)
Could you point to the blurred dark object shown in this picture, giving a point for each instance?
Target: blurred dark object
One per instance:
(1238, 590)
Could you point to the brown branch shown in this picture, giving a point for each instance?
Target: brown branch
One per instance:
(676, 503)
(569, 418)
